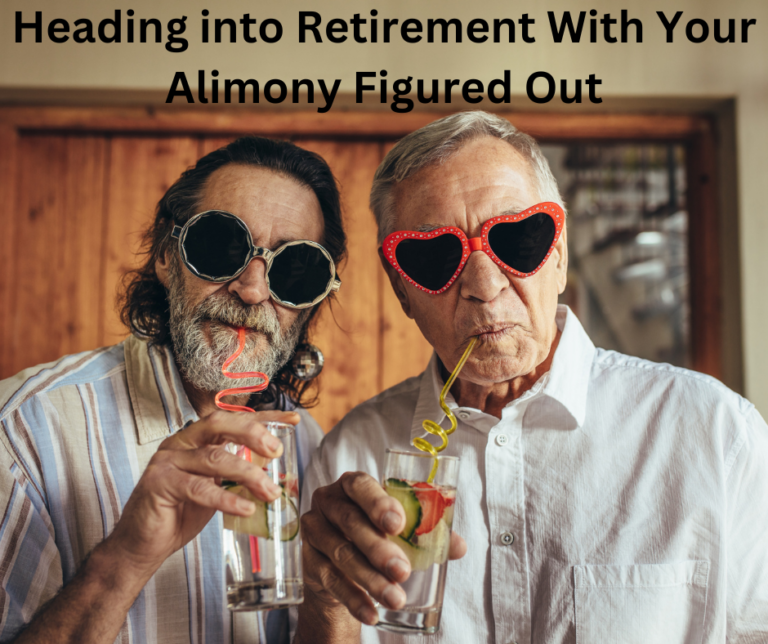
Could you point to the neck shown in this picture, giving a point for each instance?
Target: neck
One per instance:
(491, 399)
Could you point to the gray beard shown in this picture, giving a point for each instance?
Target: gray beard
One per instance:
(200, 360)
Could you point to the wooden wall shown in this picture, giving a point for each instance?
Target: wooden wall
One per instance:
(80, 205)
(78, 186)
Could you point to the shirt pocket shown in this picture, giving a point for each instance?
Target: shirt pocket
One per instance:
(641, 603)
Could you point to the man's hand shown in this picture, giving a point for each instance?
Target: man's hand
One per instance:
(180, 490)
(172, 502)
(348, 560)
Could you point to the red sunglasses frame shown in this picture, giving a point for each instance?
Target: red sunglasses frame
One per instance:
(475, 243)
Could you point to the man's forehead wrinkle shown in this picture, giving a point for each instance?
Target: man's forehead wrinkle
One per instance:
(275, 207)
(485, 178)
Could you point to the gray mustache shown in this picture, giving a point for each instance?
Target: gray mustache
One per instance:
(235, 314)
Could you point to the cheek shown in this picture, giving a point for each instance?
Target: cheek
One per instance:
(201, 290)
(286, 317)
(434, 315)
(544, 288)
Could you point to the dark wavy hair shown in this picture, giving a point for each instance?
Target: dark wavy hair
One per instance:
(143, 301)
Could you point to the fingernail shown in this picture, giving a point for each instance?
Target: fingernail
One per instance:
(391, 522)
(273, 443)
(246, 506)
(274, 489)
(397, 569)
(393, 597)
(368, 616)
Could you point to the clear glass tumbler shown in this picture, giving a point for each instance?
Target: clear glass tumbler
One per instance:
(262, 552)
(426, 538)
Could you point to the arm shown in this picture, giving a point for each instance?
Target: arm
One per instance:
(348, 560)
(92, 607)
(747, 536)
(173, 501)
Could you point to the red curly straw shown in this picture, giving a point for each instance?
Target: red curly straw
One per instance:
(234, 391)
(245, 374)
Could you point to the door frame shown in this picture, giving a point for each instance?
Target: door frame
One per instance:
(695, 132)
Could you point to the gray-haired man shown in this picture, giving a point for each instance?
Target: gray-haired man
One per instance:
(602, 497)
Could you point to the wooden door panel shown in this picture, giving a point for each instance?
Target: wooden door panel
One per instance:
(57, 248)
(9, 217)
(348, 331)
(141, 170)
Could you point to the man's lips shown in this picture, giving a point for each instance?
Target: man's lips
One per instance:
(492, 332)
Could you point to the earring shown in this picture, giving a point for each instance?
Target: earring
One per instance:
(307, 362)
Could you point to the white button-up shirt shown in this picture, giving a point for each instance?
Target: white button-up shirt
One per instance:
(618, 500)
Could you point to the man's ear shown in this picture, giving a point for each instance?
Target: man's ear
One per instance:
(561, 248)
(162, 266)
(397, 284)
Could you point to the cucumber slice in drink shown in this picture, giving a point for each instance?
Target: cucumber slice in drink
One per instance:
(261, 523)
(403, 492)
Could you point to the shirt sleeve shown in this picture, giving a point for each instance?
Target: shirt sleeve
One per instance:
(308, 438)
(747, 537)
(314, 478)
(30, 566)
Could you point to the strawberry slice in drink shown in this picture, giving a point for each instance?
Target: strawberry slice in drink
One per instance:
(433, 505)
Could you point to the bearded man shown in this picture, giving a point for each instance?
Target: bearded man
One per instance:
(110, 459)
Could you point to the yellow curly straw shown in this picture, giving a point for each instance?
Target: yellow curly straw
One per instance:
(432, 427)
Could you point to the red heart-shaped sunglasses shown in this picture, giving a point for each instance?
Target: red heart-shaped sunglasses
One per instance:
(520, 244)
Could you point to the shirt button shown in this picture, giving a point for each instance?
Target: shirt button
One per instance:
(463, 415)
(502, 439)
(507, 538)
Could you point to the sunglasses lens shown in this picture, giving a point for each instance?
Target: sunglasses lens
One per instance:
(430, 263)
(299, 274)
(523, 245)
(216, 245)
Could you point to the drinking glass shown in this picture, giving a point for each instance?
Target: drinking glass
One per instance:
(262, 552)
(426, 538)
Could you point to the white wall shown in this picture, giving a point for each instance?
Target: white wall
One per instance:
(652, 69)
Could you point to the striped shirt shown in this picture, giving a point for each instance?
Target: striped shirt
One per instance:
(76, 436)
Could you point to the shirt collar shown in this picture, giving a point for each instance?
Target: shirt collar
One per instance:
(565, 384)
(568, 381)
(160, 404)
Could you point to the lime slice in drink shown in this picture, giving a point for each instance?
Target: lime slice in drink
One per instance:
(256, 523)
(262, 522)
(437, 542)
(419, 558)
(431, 548)
(289, 516)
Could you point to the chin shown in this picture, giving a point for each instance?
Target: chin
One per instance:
(498, 371)
(502, 361)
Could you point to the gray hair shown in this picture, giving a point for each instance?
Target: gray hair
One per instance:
(436, 142)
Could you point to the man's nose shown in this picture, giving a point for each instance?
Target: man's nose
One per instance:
(251, 285)
(481, 278)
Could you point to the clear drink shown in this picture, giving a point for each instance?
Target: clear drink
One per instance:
(262, 552)
(426, 538)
